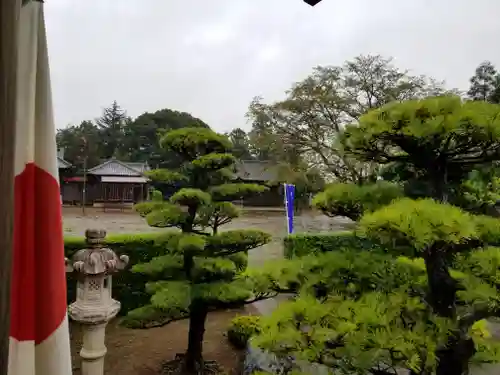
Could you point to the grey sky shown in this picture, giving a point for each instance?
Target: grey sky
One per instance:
(210, 57)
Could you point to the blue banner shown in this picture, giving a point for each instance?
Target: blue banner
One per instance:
(289, 205)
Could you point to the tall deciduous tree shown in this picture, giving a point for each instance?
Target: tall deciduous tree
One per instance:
(201, 270)
(485, 84)
(264, 143)
(317, 108)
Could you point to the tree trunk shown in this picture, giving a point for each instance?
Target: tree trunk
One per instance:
(440, 182)
(454, 358)
(194, 355)
(442, 287)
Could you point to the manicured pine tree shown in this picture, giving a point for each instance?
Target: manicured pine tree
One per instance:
(201, 268)
(440, 140)
(353, 200)
(430, 323)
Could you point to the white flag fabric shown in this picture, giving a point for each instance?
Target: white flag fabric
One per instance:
(39, 334)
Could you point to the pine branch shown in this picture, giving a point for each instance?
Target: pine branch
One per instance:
(468, 320)
(168, 320)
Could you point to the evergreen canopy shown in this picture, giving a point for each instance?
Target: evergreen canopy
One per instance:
(439, 140)
(420, 297)
(201, 268)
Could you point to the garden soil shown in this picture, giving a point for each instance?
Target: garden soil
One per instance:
(142, 352)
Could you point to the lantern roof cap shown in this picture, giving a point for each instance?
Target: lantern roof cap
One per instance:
(97, 259)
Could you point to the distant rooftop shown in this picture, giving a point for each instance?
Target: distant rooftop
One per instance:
(115, 167)
(62, 164)
(256, 170)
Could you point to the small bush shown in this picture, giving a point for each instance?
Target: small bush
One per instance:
(242, 328)
(156, 196)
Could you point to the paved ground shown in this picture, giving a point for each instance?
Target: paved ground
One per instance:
(272, 221)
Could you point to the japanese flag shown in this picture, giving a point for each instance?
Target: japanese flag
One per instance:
(39, 336)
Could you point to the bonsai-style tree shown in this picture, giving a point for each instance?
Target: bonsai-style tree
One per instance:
(433, 329)
(438, 140)
(420, 303)
(437, 233)
(353, 200)
(201, 268)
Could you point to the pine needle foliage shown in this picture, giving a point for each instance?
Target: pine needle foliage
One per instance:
(201, 268)
(370, 312)
(353, 200)
(422, 300)
(438, 140)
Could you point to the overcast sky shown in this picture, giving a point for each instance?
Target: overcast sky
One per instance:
(211, 57)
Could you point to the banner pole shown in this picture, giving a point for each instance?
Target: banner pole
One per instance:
(9, 23)
(285, 201)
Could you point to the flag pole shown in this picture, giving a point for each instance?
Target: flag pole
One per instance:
(285, 201)
(9, 24)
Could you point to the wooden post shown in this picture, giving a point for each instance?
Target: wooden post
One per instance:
(9, 23)
(84, 190)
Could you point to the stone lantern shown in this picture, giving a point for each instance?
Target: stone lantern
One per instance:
(94, 306)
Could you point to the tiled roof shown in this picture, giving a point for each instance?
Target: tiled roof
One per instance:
(139, 166)
(114, 167)
(256, 170)
(61, 163)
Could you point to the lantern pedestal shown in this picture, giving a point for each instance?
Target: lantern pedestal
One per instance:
(94, 307)
(93, 349)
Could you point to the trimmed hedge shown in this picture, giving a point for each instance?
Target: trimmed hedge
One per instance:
(298, 245)
(128, 287)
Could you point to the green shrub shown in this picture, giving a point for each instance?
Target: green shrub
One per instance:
(242, 328)
(297, 245)
(302, 244)
(156, 196)
(352, 200)
(128, 287)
